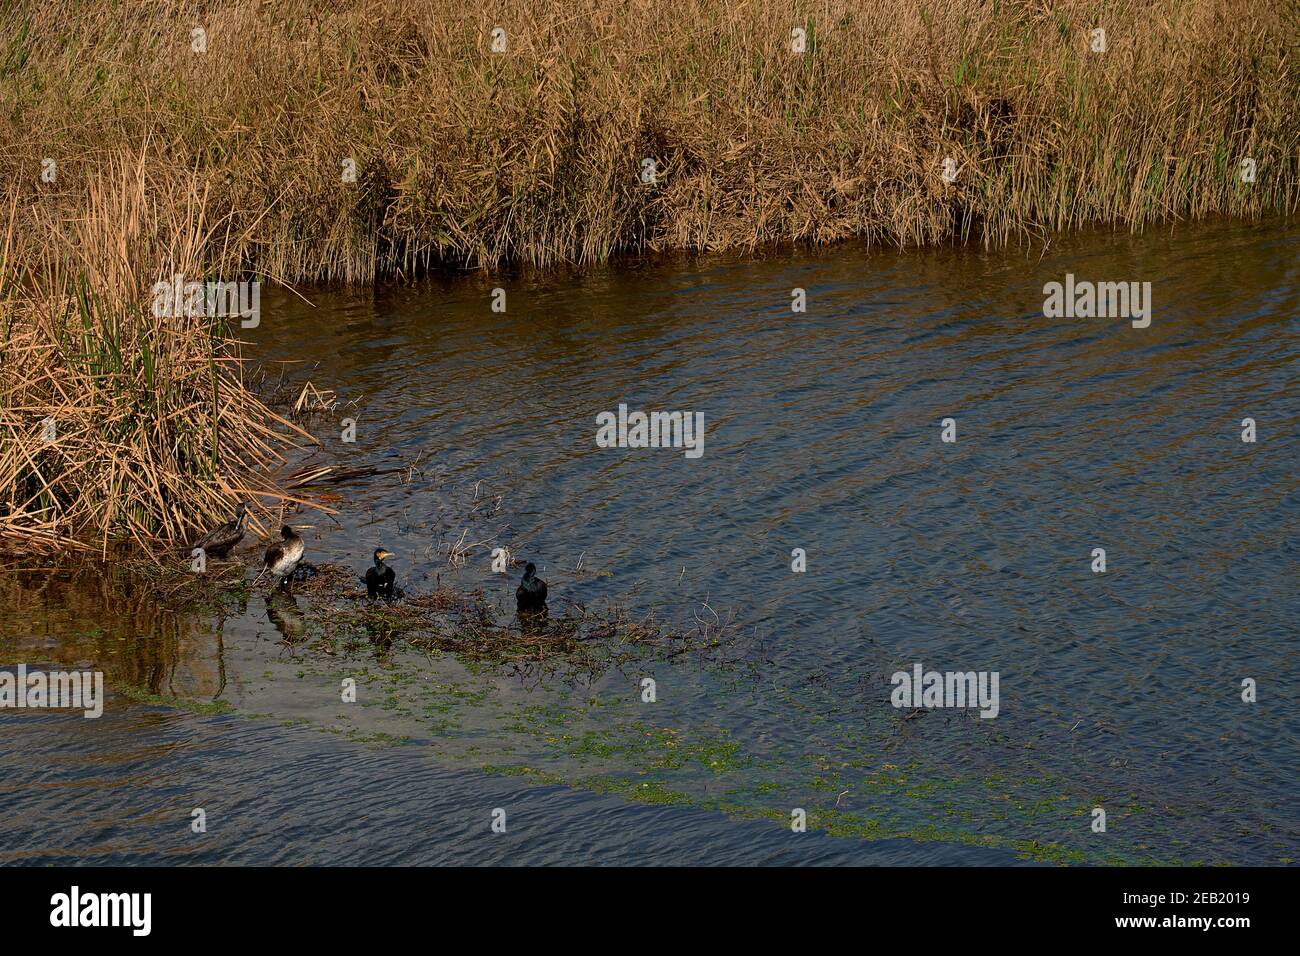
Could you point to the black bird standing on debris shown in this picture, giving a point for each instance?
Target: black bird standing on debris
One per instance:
(380, 579)
(218, 542)
(282, 557)
(530, 596)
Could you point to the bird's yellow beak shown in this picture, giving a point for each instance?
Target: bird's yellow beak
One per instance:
(385, 555)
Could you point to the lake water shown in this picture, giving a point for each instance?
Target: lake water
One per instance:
(1120, 690)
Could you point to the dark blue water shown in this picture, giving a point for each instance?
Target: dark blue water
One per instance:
(1119, 690)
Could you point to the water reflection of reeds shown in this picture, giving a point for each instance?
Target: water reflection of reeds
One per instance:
(89, 616)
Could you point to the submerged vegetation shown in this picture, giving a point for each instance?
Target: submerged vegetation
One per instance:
(299, 141)
(745, 755)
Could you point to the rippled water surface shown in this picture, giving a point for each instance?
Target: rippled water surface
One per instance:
(1120, 690)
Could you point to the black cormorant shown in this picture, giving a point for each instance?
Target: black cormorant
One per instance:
(380, 579)
(530, 596)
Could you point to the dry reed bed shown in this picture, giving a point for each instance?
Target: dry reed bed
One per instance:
(117, 424)
(229, 163)
(466, 157)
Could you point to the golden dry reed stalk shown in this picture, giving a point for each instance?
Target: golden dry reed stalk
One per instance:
(139, 140)
(469, 157)
(118, 424)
